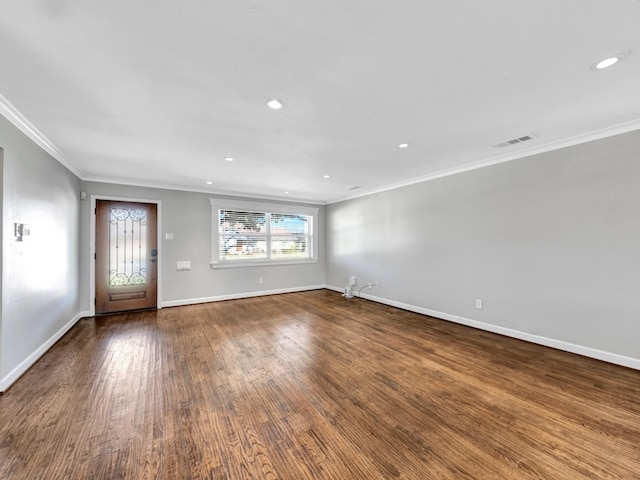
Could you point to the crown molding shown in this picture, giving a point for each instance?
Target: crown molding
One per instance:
(208, 191)
(14, 116)
(529, 152)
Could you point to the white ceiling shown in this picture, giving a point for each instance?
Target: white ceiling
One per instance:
(159, 92)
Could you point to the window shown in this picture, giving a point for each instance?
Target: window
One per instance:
(254, 233)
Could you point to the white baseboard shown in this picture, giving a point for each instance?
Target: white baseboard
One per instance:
(540, 340)
(18, 371)
(234, 296)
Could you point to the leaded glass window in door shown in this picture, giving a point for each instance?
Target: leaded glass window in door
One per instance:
(127, 246)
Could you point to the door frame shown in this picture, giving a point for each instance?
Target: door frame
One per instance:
(92, 246)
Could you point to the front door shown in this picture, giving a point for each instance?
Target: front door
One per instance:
(126, 256)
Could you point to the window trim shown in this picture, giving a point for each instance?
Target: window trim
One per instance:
(218, 204)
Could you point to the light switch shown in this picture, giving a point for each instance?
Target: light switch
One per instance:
(168, 236)
(183, 265)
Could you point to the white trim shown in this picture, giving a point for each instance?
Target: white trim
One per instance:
(218, 204)
(259, 263)
(610, 357)
(208, 191)
(14, 116)
(19, 121)
(235, 296)
(18, 371)
(258, 206)
(92, 246)
(497, 159)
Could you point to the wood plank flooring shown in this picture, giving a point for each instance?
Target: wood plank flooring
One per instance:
(312, 386)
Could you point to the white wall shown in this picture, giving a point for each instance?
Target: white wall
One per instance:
(39, 275)
(550, 243)
(188, 216)
(1, 254)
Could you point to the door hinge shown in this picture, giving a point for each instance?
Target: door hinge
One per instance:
(95, 256)
(95, 302)
(95, 211)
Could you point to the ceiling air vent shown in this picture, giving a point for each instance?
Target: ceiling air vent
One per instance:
(513, 141)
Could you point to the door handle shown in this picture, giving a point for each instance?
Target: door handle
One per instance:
(154, 253)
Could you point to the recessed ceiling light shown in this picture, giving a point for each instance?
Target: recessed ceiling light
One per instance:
(610, 61)
(327, 176)
(209, 183)
(606, 63)
(275, 104)
(228, 159)
(286, 193)
(403, 145)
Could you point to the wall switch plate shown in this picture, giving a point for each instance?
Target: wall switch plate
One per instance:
(353, 280)
(478, 304)
(168, 236)
(183, 265)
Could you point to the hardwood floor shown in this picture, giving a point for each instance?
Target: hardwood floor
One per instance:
(312, 386)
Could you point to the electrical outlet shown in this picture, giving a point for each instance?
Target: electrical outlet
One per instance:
(353, 280)
(260, 280)
(478, 304)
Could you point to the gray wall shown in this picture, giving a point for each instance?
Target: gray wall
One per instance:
(188, 216)
(39, 275)
(550, 243)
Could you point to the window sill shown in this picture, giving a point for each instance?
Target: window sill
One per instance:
(260, 263)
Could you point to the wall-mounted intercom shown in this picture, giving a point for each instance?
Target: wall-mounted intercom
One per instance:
(21, 230)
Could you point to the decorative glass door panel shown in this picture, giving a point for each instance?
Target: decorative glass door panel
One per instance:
(127, 246)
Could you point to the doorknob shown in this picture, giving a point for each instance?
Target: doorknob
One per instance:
(154, 253)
